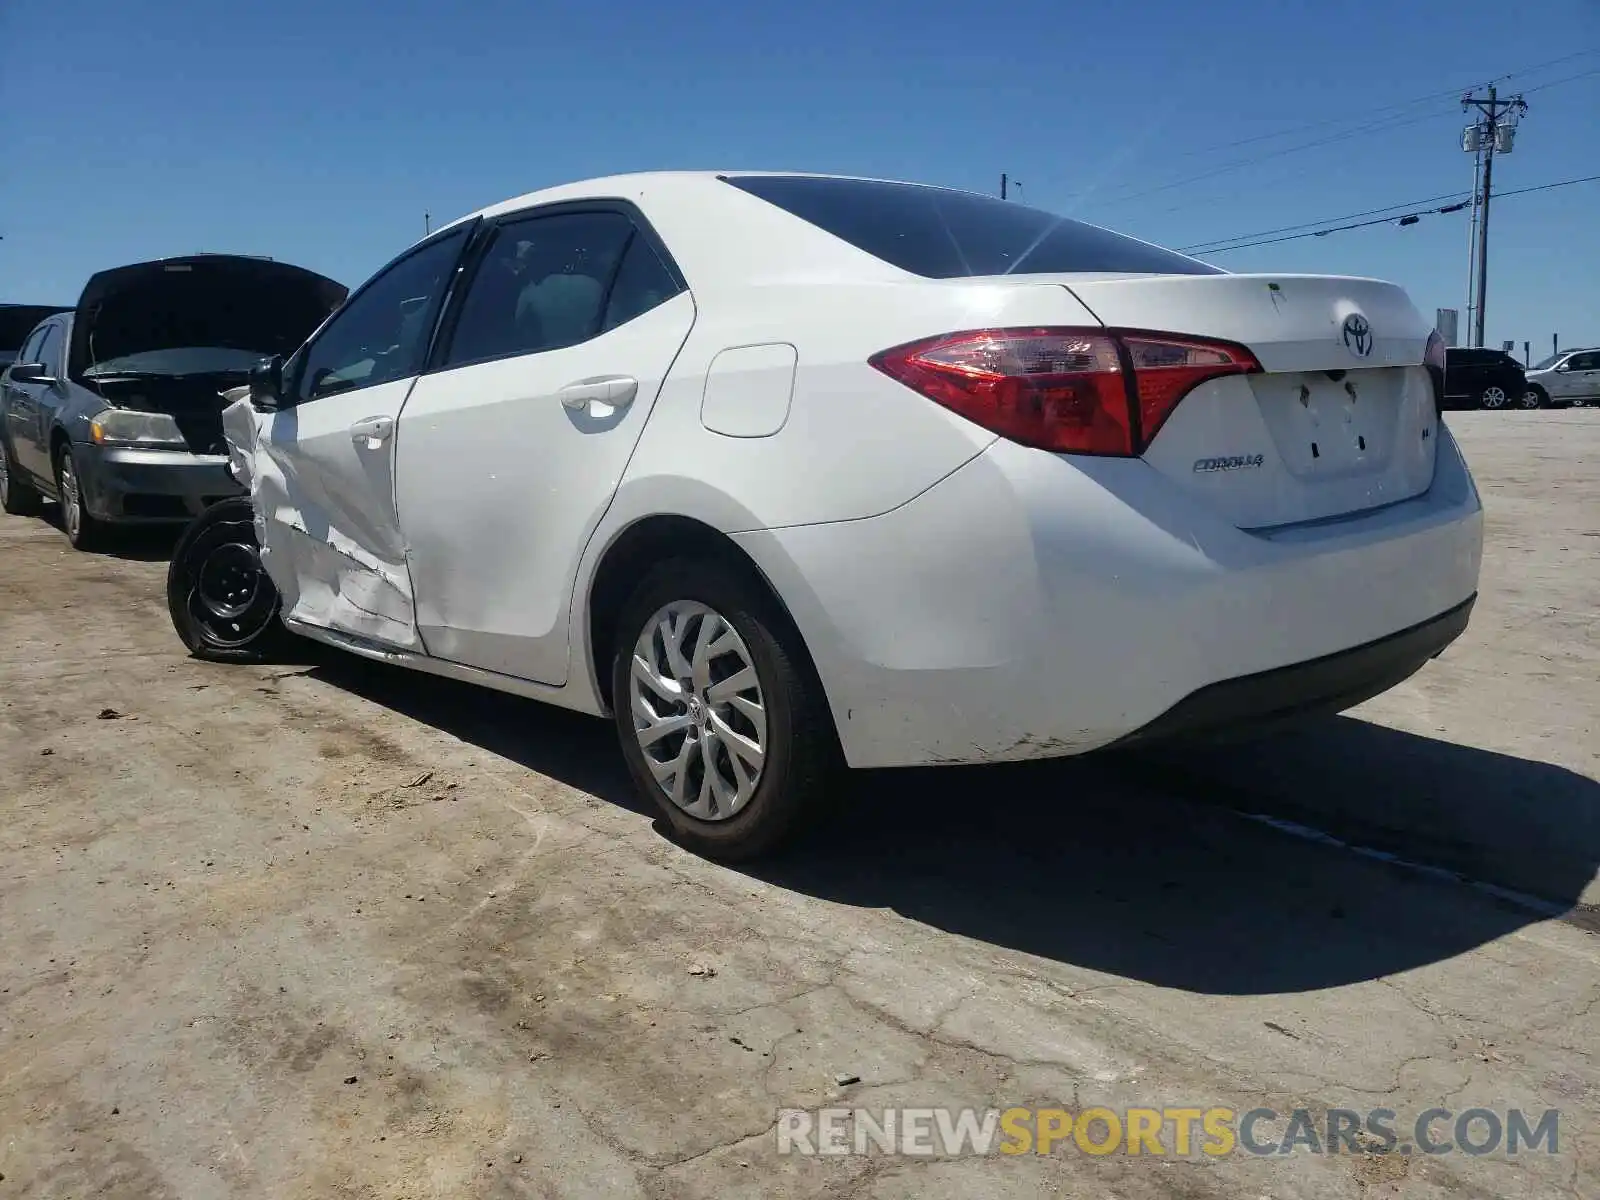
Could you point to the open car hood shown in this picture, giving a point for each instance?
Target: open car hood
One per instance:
(221, 300)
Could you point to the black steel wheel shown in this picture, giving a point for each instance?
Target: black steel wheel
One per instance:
(222, 603)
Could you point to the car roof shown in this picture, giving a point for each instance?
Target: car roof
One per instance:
(723, 237)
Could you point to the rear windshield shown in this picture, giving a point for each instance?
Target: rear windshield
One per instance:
(943, 234)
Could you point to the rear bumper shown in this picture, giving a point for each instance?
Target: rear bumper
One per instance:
(129, 486)
(1329, 684)
(1029, 606)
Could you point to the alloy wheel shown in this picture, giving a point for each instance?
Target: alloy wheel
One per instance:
(1495, 397)
(698, 710)
(71, 499)
(1530, 399)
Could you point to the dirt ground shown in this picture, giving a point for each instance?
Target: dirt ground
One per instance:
(334, 930)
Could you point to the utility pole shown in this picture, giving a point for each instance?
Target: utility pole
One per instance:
(427, 224)
(1003, 181)
(1472, 242)
(1496, 130)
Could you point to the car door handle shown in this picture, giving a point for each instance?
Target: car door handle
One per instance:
(372, 432)
(615, 391)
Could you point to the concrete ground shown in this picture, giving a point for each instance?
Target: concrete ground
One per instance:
(335, 930)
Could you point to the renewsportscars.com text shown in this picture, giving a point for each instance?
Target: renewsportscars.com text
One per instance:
(1178, 1132)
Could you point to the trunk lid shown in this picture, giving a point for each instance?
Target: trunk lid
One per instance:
(1342, 417)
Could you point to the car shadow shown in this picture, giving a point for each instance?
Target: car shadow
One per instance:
(136, 543)
(1138, 865)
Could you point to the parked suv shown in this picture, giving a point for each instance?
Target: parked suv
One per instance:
(1484, 379)
(1569, 378)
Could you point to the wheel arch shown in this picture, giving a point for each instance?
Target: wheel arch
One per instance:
(632, 551)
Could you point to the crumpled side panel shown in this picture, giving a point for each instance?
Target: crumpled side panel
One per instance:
(326, 578)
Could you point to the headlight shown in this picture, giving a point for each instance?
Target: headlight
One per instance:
(124, 427)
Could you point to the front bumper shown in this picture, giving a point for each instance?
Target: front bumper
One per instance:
(1031, 607)
(129, 486)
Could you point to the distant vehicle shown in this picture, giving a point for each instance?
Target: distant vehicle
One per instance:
(16, 322)
(785, 472)
(1475, 378)
(1571, 378)
(114, 408)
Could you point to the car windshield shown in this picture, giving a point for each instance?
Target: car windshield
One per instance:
(1544, 364)
(180, 360)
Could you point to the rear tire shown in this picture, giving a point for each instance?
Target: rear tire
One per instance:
(17, 496)
(1494, 397)
(222, 603)
(750, 765)
(84, 530)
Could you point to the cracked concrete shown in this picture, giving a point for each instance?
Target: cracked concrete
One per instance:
(224, 906)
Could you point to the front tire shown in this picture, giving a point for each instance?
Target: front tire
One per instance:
(84, 530)
(722, 720)
(1534, 397)
(222, 603)
(17, 496)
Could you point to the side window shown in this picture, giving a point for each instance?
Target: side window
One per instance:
(541, 285)
(1584, 362)
(382, 334)
(49, 349)
(643, 282)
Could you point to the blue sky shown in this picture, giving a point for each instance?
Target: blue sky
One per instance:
(320, 132)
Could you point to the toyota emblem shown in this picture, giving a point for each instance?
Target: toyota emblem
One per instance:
(1357, 335)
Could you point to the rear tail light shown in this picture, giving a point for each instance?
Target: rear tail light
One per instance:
(1075, 391)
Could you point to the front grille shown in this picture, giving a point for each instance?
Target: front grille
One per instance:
(203, 432)
(159, 507)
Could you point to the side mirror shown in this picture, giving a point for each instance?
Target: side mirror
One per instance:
(31, 373)
(1563, 368)
(266, 384)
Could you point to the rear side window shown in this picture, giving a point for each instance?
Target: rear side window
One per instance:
(542, 284)
(944, 234)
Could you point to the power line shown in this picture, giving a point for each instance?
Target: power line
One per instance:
(1558, 82)
(1394, 217)
(1545, 187)
(1225, 168)
(1400, 106)
(1361, 130)
(1552, 62)
(1215, 242)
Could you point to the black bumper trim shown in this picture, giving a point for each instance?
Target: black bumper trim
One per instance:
(1328, 684)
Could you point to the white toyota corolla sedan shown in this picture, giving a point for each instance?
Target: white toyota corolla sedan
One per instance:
(792, 472)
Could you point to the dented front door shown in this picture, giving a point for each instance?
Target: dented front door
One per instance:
(326, 492)
(323, 484)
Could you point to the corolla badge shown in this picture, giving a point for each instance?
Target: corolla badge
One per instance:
(1357, 335)
(1233, 462)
